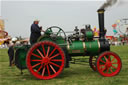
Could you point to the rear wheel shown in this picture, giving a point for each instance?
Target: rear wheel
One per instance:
(45, 60)
(108, 64)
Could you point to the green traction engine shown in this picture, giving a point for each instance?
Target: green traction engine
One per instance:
(47, 58)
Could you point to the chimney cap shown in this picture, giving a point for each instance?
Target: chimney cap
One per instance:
(100, 10)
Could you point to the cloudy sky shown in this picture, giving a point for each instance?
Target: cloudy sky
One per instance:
(19, 15)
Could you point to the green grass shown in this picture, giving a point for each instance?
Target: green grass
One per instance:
(75, 75)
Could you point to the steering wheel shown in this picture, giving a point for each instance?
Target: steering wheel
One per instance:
(56, 31)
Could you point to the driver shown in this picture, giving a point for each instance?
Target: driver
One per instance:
(35, 32)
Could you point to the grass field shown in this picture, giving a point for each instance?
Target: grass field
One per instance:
(75, 75)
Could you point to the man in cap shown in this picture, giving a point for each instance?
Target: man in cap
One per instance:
(35, 32)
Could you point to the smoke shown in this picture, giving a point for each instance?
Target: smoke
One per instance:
(116, 3)
(108, 3)
(122, 2)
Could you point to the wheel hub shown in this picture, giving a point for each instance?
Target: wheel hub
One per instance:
(109, 64)
(45, 60)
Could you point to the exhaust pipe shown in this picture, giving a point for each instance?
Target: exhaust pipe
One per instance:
(101, 23)
(104, 44)
(101, 11)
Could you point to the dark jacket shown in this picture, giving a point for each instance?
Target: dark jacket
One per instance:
(11, 55)
(35, 33)
(11, 51)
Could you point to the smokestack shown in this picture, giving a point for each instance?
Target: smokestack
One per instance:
(101, 11)
(101, 23)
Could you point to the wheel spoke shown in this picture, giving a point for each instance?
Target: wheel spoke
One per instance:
(102, 61)
(106, 59)
(58, 32)
(57, 60)
(43, 71)
(54, 64)
(109, 58)
(114, 67)
(107, 69)
(54, 55)
(36, 55)
(40, 53)
(101, 66)
(53, 69)
(48, 70)
(115, 63)
(52, 52)
(104, 68)
(51, 30)
(48, 51)
(44, 50)
(36, 60)
(39, 68)
(36, 65)
(113, 59)
(111, 70)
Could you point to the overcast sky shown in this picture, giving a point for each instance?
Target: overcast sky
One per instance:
(19, 15)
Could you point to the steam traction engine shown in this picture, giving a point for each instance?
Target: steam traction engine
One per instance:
(47, 58)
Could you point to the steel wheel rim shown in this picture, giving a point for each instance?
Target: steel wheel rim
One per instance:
(47, 66)
(105, 68)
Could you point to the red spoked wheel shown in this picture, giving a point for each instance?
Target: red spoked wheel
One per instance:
(92, 62)
(45, 60)
(108, 64)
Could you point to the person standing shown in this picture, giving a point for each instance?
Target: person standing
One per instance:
(11, 51)
(35, 32)
(11, 55)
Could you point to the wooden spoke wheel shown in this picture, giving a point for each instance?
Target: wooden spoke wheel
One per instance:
(92, 62)
(108, 64)
(45, 60)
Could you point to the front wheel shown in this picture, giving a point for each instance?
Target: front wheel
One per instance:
(108, 64)
(45, 60)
